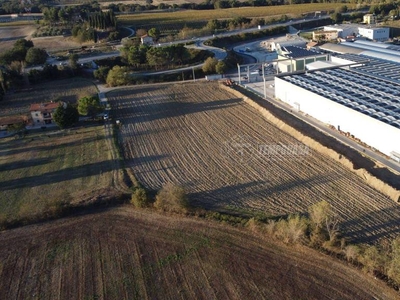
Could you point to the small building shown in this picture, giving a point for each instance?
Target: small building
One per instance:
(5, 122)
(42, 113)
(312, 45)
(343, 30)
(294, 58)
(323, 35)
(369, 19)
(379, 34)
(146, 40)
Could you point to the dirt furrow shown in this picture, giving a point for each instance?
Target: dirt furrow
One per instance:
(222, 150)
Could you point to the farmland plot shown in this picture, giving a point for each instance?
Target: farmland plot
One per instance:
(126, 254)
(230, 158)
(68, 90)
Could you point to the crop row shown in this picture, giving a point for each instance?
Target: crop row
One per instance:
(228, 156)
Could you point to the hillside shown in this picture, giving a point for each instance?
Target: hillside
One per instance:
(126, 254)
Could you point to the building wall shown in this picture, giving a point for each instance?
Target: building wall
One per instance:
(342, 31)
(325, 35)
(373, 132)
(41, 119)
(377, 34)
(147, 40)
(369, 19)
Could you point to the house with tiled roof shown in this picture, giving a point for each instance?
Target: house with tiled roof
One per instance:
(5, 122)
(42, 113)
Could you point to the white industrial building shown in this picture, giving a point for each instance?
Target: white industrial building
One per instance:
(343, 30)
(368, 32)
(366, 48)
(295, 58)
(352, 100)
(375, 34)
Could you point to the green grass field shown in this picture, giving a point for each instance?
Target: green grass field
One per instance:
(44, 171)
(190, 16)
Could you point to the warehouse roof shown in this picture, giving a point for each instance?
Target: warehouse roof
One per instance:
(377, 98)
(338, 48)
(297, 52)
(380, 68)
(372, 49)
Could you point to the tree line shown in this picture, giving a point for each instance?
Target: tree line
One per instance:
(101, 20)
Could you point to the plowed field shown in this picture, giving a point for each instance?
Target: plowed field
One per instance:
(125, 254)
(230, 158)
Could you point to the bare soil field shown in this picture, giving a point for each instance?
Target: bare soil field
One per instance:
(222, 151)
(56, 43)
(69, 90)
(127, 254)
(9, 34)
(47, 171)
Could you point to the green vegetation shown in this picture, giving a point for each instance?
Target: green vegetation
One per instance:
(46, 172)
(209, 65)
(17, 53)
(89, 106)
(172, 198)
(66, 115)
(118, 76)
(139, 198)
(35, 56)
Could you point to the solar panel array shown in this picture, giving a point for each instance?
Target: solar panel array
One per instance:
(297, 52)
(366, 94)
(374, 66)
(353, 57)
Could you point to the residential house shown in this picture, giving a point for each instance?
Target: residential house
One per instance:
(146, 40)
(42, 113)
(369, 19)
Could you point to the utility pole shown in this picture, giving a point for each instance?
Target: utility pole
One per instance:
(263, 76)
(239, 72)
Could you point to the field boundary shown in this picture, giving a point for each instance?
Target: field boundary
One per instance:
(369, 178)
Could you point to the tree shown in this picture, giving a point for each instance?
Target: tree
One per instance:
(324, 224)
(35, 56)
(209, 65)
(220, 67)
(2, 82)
(101, 73)
(139, 198)
(141, 32)
(66, 115)
(73, 61)
(89, 106)
(20, 49)
(154, 32)
(16, 128)
(172, 198)
(213, 24)
(292, 230)
(118, 76)
(336, 17)
(157, 56)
